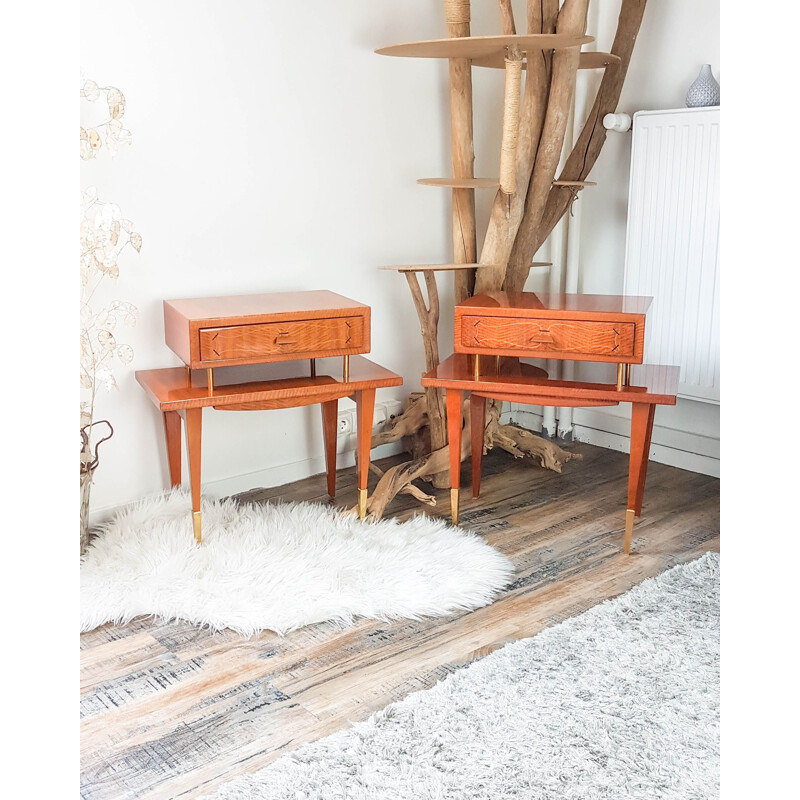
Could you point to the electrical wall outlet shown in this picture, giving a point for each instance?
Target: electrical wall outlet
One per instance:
(345, 423)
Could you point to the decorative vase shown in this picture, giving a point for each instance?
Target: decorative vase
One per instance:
(89, 462)
(704, 91)
(86, 488)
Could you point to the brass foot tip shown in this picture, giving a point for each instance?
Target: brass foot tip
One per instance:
(626, 540)
(454, 506)
(196, 524)
(362, 503)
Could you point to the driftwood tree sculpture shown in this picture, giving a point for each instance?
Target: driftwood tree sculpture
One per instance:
(528, 204)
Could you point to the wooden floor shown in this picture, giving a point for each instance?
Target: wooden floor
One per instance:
(170, 711)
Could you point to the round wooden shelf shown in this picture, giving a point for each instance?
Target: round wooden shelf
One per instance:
(591, 59)
(435, 267)
(482, 47)
(461, 183)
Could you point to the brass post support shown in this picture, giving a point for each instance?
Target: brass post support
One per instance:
(454, 506)
(189, 375)
(626, 539)
(196, 524)
(497, 364)
(627, 378)
(210, 374)
(346, 369)
(313, 367)
(362, 503)
(619, 377)
(477, 367)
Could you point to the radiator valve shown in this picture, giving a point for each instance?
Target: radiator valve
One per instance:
(617, 122)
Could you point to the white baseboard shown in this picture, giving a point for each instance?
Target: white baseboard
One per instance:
(273, 476)
(677, 448)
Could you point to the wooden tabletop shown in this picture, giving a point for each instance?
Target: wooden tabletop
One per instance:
(583, 305)
(247, 308)
(171, 388)
(650, 383)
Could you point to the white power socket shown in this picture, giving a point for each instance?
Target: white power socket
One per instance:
(346, 421)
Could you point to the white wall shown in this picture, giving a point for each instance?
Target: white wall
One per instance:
(272, 150)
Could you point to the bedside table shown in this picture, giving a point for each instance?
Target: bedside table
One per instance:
(308, 329)
(493, 331)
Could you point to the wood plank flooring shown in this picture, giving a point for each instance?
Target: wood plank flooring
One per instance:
(172, 711)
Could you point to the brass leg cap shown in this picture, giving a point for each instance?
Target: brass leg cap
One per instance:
(626, 540)
(196, 522)
(362, 503)
(454, 506)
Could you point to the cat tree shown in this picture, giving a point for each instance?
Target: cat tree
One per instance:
(529, 200)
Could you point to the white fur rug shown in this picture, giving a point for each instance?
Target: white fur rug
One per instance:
(280, 567)
(619, 703)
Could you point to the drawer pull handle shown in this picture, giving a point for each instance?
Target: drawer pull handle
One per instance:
(543, 337)
(278, 339)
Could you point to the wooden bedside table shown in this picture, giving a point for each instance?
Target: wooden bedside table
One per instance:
(214, 334)
(508, 326)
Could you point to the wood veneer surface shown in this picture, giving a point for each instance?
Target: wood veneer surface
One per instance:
(172, 711)
(576, 306)
(171, 388)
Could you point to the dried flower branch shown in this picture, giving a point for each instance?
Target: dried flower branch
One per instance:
(104, 234)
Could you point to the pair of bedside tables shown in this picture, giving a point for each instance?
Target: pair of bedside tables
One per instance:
(308, 332)
(314, 339)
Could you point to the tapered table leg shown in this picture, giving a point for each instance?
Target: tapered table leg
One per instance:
(453, 403)
(330, 411)
(365, 409)
(477, 413)
(642, 415)
(172, 432)
(193, 418)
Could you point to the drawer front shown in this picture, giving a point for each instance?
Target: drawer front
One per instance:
(584, 337)
(309, 336)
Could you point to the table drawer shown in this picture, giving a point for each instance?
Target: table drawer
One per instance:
(330, 336)
(552, 336)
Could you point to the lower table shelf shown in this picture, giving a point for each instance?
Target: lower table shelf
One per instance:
(649, 385)
(180, 393)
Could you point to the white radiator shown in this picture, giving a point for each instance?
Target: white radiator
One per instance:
(672, 248)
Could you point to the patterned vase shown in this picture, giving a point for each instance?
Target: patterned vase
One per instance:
(704, 91)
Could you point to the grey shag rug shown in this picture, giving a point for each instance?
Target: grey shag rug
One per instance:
(619, 702)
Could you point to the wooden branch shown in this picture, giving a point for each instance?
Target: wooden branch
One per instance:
(515, 440)
(429, 321)
(571, 20)
(465, 247)
(399, 476)
(415, 492)
(507, 18)
(413, 418)
(428, 317)
(505, 218)
(591, 139)
(521, 442)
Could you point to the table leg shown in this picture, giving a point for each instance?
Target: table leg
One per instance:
(365, 409)
(172, 432)
(330, 411)
(477, 413)
(193, 418)
(642, 415)
(453, 404)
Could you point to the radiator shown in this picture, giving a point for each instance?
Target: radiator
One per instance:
(672, 247)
